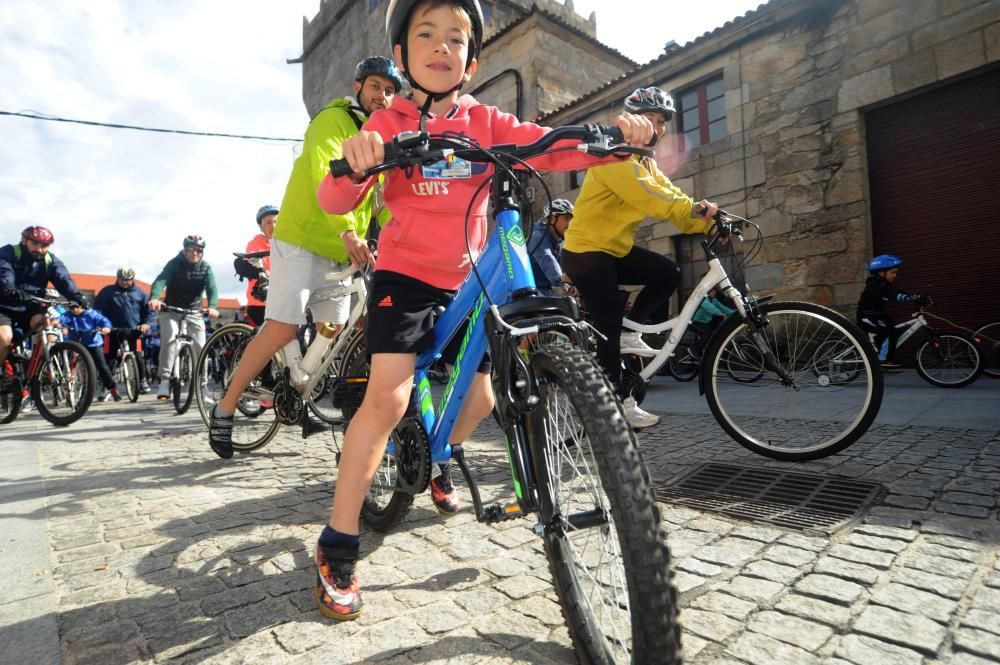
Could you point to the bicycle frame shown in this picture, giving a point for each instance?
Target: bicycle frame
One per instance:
(916, 322)
(505, 269)
(678, 325)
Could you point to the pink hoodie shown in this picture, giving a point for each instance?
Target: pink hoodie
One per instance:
(425, 239)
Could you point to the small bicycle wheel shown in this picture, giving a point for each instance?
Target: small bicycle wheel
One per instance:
(768, 391)
(64, 385)
(10, 402)
(989, 348)
(182, 386)
(948, 361)
(216, 363)
(603, 538)
(130, 376)
(386, 504)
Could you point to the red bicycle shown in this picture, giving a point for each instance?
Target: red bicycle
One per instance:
(60, 375)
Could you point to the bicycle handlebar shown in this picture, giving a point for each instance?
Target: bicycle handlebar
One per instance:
(182, 310)
(417, 148)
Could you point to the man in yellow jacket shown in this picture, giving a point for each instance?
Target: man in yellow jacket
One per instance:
(599, 253)
(309, 243)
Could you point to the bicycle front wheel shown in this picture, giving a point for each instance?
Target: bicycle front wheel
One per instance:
(606, 548)
(130, 375)
(777, 392)
(217, 362)
(989, 348)
(182, 384)
(64, 385)
(948, 361)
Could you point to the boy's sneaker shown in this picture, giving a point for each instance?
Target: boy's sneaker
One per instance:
(890, 365)
(144, 388)
(631, 342)
(444, 496)
(339, 596)
(220, 434)
(114, 395)
(636, 417)
(163, 390)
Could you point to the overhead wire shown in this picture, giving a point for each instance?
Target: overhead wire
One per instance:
(35, 115)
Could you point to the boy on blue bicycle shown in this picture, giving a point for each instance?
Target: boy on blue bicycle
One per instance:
(422, 255)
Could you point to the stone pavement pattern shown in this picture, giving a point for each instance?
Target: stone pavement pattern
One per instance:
(161, 552)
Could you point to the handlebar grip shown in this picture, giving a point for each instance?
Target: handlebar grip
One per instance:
(616, 136)
(340, 168)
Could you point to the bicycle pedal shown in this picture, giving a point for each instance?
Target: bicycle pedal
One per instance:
(502, 512)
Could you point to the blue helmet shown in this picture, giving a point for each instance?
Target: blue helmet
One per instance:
(381, 66)
(265, 211)
(884, 262)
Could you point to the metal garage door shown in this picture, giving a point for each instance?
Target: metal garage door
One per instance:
(934, 170)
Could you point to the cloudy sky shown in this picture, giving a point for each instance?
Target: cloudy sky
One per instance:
(115, 197)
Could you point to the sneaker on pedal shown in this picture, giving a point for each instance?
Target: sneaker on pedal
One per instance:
(220, 433)
(144, 388)
(104, 396)
(636, 417)
(163, 390)
(631, 342)
(338, 593)
(444, 496)
(114, 395)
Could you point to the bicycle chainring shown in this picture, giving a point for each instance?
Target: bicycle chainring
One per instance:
(288, 404)
(412, 451)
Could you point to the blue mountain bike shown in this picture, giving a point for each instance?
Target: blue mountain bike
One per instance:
(575, 463)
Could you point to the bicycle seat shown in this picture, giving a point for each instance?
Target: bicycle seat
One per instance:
(523, 308)
(252, 255)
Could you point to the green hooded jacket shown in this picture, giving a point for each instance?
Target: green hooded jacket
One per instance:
(301, 221)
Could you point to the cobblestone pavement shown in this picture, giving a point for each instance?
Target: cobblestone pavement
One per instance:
(161, 552)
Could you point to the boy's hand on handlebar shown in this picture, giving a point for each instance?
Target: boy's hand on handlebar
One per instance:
(636, 129)
(357, 248)
(363, 151)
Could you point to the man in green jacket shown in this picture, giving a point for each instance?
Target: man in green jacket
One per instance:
(308, 243)
(185, 277)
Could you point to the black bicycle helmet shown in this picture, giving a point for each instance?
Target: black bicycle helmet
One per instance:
(380, 66)
(264, 212)
(194, 241)
(558, 207)
(397, 17)
(650, 100)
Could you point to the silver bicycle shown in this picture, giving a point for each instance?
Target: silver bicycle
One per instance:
(275, 396)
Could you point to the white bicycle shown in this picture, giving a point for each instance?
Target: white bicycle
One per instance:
(763, 370)
(277, 396)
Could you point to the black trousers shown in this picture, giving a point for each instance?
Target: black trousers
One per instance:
(103, 371)
(597, 276)
(883, 328)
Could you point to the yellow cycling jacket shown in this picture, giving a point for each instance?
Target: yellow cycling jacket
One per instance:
(301, 221)
(615, 198)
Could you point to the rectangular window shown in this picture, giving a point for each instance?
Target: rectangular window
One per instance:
(703, 113)
(576, 179)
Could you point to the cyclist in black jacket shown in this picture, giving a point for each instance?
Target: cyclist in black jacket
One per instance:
(25, 270)
(879, 291)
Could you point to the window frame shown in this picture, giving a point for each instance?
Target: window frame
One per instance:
(700, 89)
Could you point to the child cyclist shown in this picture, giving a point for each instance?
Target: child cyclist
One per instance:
(879, 291)
(422, 255)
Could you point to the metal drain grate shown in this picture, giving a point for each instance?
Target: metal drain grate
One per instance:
(801, 501)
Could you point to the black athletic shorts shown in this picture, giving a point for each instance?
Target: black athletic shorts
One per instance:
(401, 317)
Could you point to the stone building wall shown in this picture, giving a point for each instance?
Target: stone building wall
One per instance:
(345, 31)
(798, 76)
